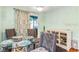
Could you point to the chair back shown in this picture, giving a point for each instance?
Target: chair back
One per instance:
(10, 33)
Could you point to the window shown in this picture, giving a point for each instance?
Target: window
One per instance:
(33, 22)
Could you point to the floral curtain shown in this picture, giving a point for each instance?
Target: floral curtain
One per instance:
(21, 21)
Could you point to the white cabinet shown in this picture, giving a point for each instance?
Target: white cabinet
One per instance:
(63, 39)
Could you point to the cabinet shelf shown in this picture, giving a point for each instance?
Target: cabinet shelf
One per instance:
(63, 39)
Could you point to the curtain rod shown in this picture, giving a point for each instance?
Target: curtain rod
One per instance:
(20, 10)
(24, 10)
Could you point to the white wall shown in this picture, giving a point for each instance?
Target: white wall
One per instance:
(0, 24)
(41, 22)
(66, 18)
(8, 20)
